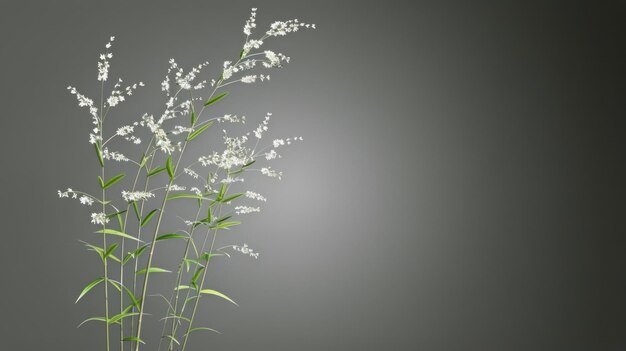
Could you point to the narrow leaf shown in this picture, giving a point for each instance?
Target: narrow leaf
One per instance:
(171, 236)
(133, 338)
(110, 250)
(99, 319)
(216, 99)
(148, 217)
(155, 171)
(136, 210)
(193, 118)
(118, 233)
(99, 155)
(225, 225)
(89, 286)
(101, 182)
(184, 196)
(202, 328)
(152, 270)
(199, 131)
(217, 293)
(231, 198)
(172, 338)
(113, 180)
(170, 167)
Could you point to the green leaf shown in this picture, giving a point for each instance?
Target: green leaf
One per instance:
(152, 270)
(89, 286)
(225, 225)
(110, 250)
(217, 293)
(109, 216)
(216, 99)
(99, 319)
(209, 216)
(112, 181)
(202, 328)
(118, 233)
(120, 316)
(115, 283)
(135, 253)
(94, 248)
(222, 219)
(170, 167)
(99, 153)
(133, 338)
(144, 159)
(136, 210)
(101, 182)
(148, 217)
(195, 277)
(182, 287)
(155, 171)
(193, 118)
(184, 196)
(199, 131)
(171, 338)
(221, 193)
(231, 198)
(171, 236)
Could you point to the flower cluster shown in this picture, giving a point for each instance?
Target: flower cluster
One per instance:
(103, 64)
(83, 198)
(255, 196)
(131, 196)
(99, 218)
(245, 250)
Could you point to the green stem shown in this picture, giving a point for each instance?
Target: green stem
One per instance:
(206, 269)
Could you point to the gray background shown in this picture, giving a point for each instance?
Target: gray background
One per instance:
(460, 186)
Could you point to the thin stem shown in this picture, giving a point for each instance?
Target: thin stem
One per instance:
(206, 268)
(104, 237)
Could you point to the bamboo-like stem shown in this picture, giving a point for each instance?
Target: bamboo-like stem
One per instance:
(104, 236)
(178, 280)
(123, 229)
(206, 268)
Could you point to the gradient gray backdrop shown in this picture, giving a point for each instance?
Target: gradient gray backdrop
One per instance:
(460, 186)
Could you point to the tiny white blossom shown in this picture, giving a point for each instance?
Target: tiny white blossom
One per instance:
(246, 250)
(255, 196)
(271, 173)
(131, 196)
(246, 209)
(99, 218)
(190, 172)
(86, 200)
(176, 187)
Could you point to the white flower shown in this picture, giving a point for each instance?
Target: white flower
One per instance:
(248, 79)
(232, 119)
(250, 23)
(256, 196)
(190, 172)
(246, 250)
(131, 196)
(176, 187)
(86, 200)
(268, 171)
(258, 132)
(272, 154)
(99, 218)
(113, 155)
(246, 209)
(196, 191)
(125, 130)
